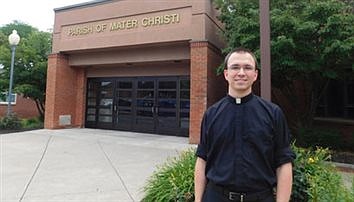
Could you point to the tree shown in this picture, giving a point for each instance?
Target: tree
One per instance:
(30, 68)
(312, 42)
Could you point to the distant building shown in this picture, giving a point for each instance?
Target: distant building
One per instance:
(22, 107)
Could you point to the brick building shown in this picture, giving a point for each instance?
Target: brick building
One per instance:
(21, 106)
(135, 65)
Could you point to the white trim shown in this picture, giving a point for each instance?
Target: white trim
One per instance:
(2, 102)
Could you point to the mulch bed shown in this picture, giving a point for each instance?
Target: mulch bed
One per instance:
(5, 131)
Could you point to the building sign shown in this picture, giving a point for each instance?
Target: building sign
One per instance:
(125, 24)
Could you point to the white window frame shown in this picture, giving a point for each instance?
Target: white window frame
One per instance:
(14, 95)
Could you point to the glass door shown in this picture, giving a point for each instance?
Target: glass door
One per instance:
(142, 104)
(105, 104)
(166, 106)
(123, 104)
(184, 105)
(91, 103)
(145, 105)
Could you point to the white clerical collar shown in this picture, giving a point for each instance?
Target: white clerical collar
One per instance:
(240, 100)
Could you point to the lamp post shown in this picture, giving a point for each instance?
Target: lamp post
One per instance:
(14, 39)
(265, 49)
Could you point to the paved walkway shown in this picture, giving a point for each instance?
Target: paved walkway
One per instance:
(81, 165)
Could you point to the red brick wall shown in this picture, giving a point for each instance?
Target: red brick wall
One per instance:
(206, 87)
(65, 92)
(66, 88)
(24, 108)
(80, 97)
(217, 85)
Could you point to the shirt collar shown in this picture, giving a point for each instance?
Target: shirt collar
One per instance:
(241, 100)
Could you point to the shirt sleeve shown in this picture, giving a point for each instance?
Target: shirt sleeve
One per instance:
(283, 152)
(202, 146)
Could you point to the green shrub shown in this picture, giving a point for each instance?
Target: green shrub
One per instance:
(32, 123)
(352, 186)
(10, 122)
(315, 179)
(173, 181)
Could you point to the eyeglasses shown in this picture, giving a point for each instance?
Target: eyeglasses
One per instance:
(246, 68)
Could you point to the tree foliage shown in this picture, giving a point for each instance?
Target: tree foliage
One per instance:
(30, 67)
(312, 42)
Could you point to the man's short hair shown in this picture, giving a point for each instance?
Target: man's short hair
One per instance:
(240, 50)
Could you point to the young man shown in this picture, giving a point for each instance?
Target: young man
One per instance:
(244, 150)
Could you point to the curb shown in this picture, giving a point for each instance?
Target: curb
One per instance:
(344, 167)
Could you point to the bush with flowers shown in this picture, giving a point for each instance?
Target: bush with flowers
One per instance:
(315, 179)
(173, 181)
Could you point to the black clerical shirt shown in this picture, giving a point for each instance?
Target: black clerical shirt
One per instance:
(243, 142)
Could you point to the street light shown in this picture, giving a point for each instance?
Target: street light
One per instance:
(14, 39)
(265, 49)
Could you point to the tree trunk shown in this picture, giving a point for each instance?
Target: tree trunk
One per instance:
(40, 108)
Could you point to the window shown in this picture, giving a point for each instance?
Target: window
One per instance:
(4, 98)
(338, 100)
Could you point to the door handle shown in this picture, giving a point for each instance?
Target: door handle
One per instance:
(155, 109)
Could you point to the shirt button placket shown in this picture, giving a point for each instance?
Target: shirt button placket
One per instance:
(238, 143)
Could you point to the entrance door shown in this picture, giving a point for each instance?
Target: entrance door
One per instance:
(123, 104)
(156, 105)
(166, 106)
(143, 104)
(100, 103)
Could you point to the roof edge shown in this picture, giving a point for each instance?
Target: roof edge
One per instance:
(82, 5)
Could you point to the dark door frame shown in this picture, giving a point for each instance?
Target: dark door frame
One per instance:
(133, 125)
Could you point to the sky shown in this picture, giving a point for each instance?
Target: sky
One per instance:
(37, 13)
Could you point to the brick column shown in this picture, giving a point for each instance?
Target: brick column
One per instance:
(198, 91)
(80, 97)
(206, 86)
(63, 92)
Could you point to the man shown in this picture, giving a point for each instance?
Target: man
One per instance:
(244, 150)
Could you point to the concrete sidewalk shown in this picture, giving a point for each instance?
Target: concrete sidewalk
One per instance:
(81, 165)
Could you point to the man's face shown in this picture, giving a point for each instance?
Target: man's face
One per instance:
(241, 73)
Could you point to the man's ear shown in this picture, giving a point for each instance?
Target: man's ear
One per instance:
(225, 73)
(256, 75)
